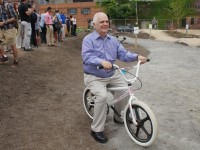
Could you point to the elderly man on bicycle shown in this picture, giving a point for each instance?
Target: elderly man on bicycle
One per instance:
(101, 49)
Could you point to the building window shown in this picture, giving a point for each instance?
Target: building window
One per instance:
(192, 21)
(85, 11)
(72, 11)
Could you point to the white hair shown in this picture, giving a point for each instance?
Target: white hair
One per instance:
(95, 18)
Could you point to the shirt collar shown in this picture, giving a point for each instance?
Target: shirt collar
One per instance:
(96, 35)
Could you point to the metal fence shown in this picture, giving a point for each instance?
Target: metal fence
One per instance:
(163, 24)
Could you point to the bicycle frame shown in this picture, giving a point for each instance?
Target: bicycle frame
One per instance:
(121, 97)
(127, 92)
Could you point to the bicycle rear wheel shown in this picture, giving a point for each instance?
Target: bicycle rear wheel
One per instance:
(88, 102)
(145, 133)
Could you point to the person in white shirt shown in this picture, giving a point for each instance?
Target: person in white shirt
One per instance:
(43, 28)
(74, 25)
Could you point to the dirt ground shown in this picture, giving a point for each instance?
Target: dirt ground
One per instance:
(41, 100)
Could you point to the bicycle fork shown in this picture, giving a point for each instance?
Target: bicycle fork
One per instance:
(132, 98)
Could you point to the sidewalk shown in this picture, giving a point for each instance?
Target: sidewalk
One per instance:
(160, 35)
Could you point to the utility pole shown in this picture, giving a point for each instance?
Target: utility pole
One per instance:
(136, 11)
(136, 28)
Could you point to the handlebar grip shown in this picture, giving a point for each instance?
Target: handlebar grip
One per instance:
(148, 60)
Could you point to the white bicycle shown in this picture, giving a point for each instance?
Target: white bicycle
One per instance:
(139, 120)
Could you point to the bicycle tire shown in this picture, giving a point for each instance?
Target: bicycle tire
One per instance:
(145, 133)
(88, 102)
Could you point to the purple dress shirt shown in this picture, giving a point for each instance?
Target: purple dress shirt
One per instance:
(96, 49)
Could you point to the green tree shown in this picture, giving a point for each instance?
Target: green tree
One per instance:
(178, 9)
(123, 1)
(109, 7)
(117, 9)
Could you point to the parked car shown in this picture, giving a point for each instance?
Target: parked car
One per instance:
(125, 29)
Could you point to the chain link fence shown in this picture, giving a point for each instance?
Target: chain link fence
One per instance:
(162, 24)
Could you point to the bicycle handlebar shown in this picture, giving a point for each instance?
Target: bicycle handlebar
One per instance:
(121, 70)
(101, 67)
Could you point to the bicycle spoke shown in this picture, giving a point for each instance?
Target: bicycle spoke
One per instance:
(144, 120)
(146, 132)
(137, 131)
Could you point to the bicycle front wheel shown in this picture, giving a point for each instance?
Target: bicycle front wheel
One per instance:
(146, 130)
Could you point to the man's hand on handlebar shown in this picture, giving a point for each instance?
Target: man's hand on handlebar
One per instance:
(106, 65)
(142, 59)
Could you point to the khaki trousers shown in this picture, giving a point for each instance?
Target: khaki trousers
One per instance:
(49, 35)
(98, 86)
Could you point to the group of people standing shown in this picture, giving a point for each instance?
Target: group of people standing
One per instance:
(16, 23)
(21, 27)
(54, 26)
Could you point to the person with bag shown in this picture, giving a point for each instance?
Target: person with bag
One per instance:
(8, 17)
(59, 25)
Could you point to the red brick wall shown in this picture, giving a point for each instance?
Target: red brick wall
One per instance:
(82, 20)
(196, 24)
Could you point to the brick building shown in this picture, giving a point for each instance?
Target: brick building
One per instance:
(193, 21)
(83, 11)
